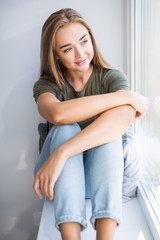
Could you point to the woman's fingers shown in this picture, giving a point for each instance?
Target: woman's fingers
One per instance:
(48, 185)
(50, 189)
(143, 105)
(45, 184)
(48, 173)
(36, 186)
(41, 183)
(140, 103)
(138, 115)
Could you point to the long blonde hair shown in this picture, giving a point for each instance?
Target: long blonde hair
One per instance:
(50, 67)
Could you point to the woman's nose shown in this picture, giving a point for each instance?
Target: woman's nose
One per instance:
(79, 52)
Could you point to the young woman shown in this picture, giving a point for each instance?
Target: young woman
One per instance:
(88, 107)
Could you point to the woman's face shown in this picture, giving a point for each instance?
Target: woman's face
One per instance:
(74, 47)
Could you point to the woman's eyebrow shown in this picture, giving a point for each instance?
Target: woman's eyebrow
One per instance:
(83, 37)
(66, 45)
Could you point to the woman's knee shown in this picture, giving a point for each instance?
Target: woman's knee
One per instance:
(61, 133)
(65, 130)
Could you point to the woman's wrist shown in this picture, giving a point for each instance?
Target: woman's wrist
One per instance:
(63, 151)
(126, 97)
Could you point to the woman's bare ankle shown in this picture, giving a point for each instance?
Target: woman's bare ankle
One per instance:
(70, 230)
(105, 228)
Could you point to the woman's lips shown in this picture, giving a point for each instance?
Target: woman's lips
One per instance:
(81, 62)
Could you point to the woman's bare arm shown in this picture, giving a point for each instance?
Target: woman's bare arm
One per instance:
(79, 109)
(111, 124)
(104, 129)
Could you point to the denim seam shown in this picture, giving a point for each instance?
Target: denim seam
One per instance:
(105, 214)
(70, 218)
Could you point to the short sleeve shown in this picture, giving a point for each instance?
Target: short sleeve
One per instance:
(115, 80)
(42, 86)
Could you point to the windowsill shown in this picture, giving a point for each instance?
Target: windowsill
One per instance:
(149, 207)
(133, 226)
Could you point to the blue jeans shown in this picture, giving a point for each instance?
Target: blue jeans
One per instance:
(96, 173)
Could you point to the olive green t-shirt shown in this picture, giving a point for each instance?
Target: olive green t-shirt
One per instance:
(101, 81)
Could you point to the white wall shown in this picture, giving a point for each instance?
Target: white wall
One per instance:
(20, 28)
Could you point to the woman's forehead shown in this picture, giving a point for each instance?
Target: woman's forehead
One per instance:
(69, 33)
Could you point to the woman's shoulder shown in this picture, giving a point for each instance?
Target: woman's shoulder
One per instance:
(45, 85)
(44, 82)
(110, 73)
(112, 79)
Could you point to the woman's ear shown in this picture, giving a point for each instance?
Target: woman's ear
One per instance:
(56, 58)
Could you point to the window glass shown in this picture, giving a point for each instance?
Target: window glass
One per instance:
(147, 82)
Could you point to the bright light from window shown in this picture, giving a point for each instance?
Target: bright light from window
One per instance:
(141, 236)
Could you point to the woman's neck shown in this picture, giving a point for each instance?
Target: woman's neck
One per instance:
(78, 80)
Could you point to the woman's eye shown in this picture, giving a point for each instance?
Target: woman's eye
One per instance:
(67, 50)
(85, 41)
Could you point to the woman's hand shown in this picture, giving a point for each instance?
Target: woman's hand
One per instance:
(141, 104)
(47, 175)
(138, 102)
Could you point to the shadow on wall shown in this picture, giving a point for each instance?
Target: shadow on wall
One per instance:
(19, 151)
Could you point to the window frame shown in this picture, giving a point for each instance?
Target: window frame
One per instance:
(135, 16)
